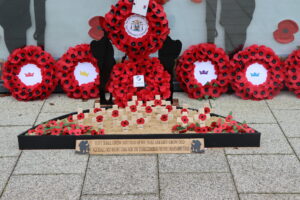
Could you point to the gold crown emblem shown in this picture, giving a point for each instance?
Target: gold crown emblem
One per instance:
(84, 74)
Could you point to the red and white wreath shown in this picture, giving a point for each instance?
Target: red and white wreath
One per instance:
(157, 81)
(203, 71)
(257, 73)
(136, 35)
(29, 74)
(292, 72)
(78, 73)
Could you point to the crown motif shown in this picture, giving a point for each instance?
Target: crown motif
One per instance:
(203, 72)
(29, 74)
(254, 74)
(84, 74)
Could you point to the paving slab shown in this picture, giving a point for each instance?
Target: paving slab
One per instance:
(272, 141)
(266, 173)
(121, 175)
(17, 112)
(60, 103)
(51, 162)
(285, 100)
(289, 121)
(9, 140)
(43, 117)
(197, 186)
(213, 160)
(119, 197)
(243, 110)
(193, 103)
(7, 165)
(269, 196)
(63, 187)
(295, 142)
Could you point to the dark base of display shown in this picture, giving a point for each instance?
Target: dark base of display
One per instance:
(211, 140)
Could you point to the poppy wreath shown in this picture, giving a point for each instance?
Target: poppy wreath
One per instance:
(257, 73)
(292, 72)
(136, 35)
(29, 74)
(78, 73)
(157, 81)
(203, 71)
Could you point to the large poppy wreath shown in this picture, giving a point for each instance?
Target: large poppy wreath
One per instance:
(257, 73)
(78, 73)
(203, 71)
(134, 34)
(29, 73)
(292, 72)
(157, 81)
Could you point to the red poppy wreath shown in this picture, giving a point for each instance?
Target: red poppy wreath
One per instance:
(203, 71)
(134, 34)
(257, 73)
(157, 81)
(78, 73)
(29, 74)
(292, 72)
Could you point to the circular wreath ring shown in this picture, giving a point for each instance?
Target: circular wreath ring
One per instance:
(203, 71)
(257, 73)
(292, 72)
(122, 27)
(78, 73)
(29, 73)
(157, 81)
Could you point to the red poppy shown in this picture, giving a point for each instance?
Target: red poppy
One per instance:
(97, 110)
(140, 121)
(202, 117)
(101, 132)
(78, 73)
(203, 71)
(285, 32)
(198, 129)
(206, 110)
(157, 102)
(192, 127)
(229, 118)
(124, 123)
(169, 108)
(184, 110)
(175, 128)
(164, 118)
(145, 37)
(29, 74)
(121, 84)
(148, 109)
(292, 72)
(80, 116)
(115, 113)
(133, 108)
(99, 118)
(185, 119)
(96, 23)
(70, 118)
(51, 123)
(94, 132)
(257, 73)
(55, 131)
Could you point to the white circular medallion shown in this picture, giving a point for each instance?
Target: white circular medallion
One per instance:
(136, 26)
(85, 73)
(30, 74)
(256, 74)
(204, 72)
